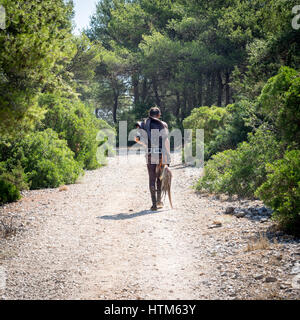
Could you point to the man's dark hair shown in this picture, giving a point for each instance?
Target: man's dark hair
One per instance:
(154, 112)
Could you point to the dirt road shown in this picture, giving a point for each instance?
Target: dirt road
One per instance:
(98, 240)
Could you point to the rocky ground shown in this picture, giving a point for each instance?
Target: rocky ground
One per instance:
(98, 240)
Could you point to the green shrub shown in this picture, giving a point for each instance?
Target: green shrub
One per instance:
(73, 122)
(47, 160)
(207, 118)
(281, 191)
(12, 182)
(241, 171)
(224, 128)
(234, 130)
(8, 192)
(216, 171)
(279, 102)
(15, 176)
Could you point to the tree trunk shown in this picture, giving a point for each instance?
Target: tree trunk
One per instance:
(208, 81)
(135, 84)
(220, 89)
(200, 90)
(144, 90)
(155, 89)
(227, 88)
(210, 89)
(184, 106)
(177, 110)
(190, 98)
(115, 106)
(195, 100)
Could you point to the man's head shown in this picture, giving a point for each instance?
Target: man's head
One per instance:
(155, 112)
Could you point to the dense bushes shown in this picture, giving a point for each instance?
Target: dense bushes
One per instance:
(8, 192)
(207, 118)
(14, 174)
(46, 159)
(262, 166)
(73, 122)
(234, 130)
(12, 180)
(241, 171)
(279, 102)
(64, 143)
(281, 191)
(223, 128)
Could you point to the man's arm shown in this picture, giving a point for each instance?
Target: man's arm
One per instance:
(137, 139)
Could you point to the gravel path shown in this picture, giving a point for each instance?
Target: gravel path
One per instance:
(98, 240)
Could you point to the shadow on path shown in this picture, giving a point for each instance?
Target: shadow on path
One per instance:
(124, 216)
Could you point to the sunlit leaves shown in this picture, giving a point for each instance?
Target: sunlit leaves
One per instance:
(35, 46)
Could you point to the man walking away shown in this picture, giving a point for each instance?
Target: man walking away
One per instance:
(157, 152)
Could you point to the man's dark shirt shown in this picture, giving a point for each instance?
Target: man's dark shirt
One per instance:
(158, 150)
(158, 125)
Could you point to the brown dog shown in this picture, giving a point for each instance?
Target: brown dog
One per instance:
(166, 181)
